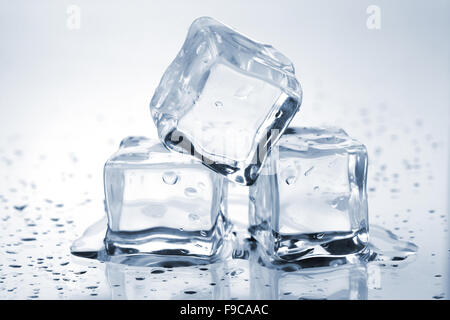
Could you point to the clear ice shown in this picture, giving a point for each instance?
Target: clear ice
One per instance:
(226, 100)
(310, 200)
(162, 202)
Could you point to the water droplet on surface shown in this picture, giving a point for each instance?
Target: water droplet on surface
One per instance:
(20, 208)
(291, 180)
(158, 271)
(279, 114)
(218, 104)
(290, 174)
(316, 188)
(236, 272)
(193, 216)
(243, 92)
(307, 172)
(170, 177)
(201, 185)
(340, 203)
(190, 192)
(190, 292)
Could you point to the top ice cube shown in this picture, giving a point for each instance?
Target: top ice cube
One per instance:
(226, 100)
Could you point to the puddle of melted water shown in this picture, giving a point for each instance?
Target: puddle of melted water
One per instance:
(245, 272)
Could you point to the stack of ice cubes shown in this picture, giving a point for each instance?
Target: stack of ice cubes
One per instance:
(222, 111)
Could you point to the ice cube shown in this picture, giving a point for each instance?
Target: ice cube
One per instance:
(310, 200)
(162, 202)
(225, 99)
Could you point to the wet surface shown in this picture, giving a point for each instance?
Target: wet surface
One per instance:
(49, 198)
(38, 228)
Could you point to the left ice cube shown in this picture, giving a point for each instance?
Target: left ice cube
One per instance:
(162, 202)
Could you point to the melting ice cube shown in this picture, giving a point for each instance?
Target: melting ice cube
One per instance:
(310, 200)
(162, 202)
(225, 99)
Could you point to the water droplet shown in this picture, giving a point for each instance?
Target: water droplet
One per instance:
(28, 239)
(193, 216)
(218, 104)
(290, 173)
(170, 177)
(157, 271)
(307, 172)
(316, 188)
(190, 292)
(243, 92)
(291, 180)
(20, 208)
(190, 192)
(201, 185)
(340, 203)
(279, 114)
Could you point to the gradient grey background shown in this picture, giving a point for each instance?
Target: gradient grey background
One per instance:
(67, 97)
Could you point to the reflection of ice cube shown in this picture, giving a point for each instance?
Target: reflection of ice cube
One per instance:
(347, 282)
(223, 98)
(162, 202)
(311, 198)
(186, 283)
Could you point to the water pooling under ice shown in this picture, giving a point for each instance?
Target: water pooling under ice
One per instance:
(245, 272)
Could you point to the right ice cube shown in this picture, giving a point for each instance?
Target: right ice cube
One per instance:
(310, 199)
